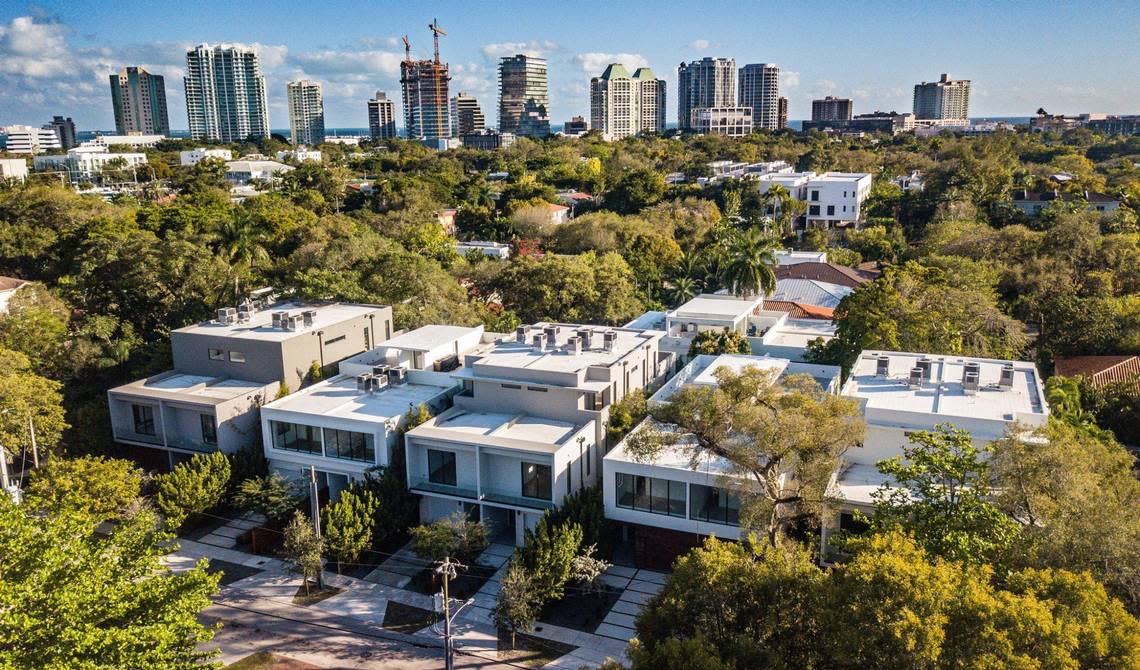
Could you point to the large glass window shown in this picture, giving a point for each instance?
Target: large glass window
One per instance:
(650, 494)
(209, 429)
(144, 419)
(441, 467)
(536, 481)
(349, 445)
(715, 505)
(295, 437)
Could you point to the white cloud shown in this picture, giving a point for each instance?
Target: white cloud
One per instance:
(594, 62)
(789, 79)
(35, 50)
(699, 44)
(531, 48)
(334, 63)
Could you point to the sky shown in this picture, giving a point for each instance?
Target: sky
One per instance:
(1070, 57)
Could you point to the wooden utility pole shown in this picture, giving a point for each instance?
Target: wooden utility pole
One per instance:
(447, 570)
(315, 507)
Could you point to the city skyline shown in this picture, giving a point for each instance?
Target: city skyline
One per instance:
(56, 57)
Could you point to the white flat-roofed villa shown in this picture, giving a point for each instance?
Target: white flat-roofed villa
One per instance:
(900, 393)
(667, 505)
(528, 425)
(769, 332)
(347, 424)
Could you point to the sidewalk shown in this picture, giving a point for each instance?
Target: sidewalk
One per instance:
(361, 607)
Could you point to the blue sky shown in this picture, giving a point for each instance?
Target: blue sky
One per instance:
(1070, 57)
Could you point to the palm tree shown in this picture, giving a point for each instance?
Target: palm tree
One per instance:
(683, 290)
(242, 242)
(747, 268)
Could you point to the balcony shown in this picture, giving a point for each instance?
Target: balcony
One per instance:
(506, 498)
(128, 435)
(191, 445)
(425, 486)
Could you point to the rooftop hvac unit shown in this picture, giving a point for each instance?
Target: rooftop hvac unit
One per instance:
(574, 345)
(380, 370)
(1006, 380)
(551, 336)
(609, 338)
(276, 316)
(926, 365)
(309, 315)
(245, 305)
(917, 374)
(377, 383)
(883, 366)
(584, 335)
(520, 334)
(536, 342)
(971, 368)
(397, 375)
(227, 315)
(293, 322)
(362, 381)
(970, 382)
(244, 317)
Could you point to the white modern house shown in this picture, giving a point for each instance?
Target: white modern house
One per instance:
(226, 368)
(900, 393)
(834, 199)
(528, 426)
(491, 249)
(668, 504)
(195, 156)
(15, 169)
(87, 162)
(243, 171)
(300, 154)
(788, 257)
(133, 141)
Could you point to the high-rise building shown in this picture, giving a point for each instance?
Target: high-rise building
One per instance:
(760, 89)
(943, 99)
(381, 117)
(306, 112)
(831, 108)
(523, 96)
(426, 101)
(30, 140)
(709, 82)
(782, 114)
(225, 93)
(622, 105)
(576, 126)
(466, 115)
(139, 101)
(64, 128)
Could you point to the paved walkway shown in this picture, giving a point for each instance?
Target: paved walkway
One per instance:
(226, 536)
(361, 606)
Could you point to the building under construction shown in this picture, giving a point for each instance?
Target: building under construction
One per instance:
(426, 100)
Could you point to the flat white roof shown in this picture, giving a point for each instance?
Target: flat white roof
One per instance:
(173, 385)
(716, 306)
(737, 363)
(799, 332)
(260, 326)
(499, 429)
(677, 456)
(650, 320)
(338, 397)
(856, 482)
(427, 338)
(508, 353)
(944, 395)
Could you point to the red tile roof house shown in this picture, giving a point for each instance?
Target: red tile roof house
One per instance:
(832, 273)
(1100, 370)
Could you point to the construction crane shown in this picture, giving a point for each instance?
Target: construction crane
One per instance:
(436, 31)
(407, 49)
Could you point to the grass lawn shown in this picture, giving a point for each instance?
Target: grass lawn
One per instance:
(461, 588)
(531, 651)
(264, 660)
(406, 618)
(314, 595)
(231, 572)
(580, 611)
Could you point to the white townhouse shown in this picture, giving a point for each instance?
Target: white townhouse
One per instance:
(833, 199)
(900, 393)
(667, 505)
(347, 424)
(195, 156)
(528, 426)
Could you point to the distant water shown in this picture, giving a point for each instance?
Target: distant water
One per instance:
(797, 125)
